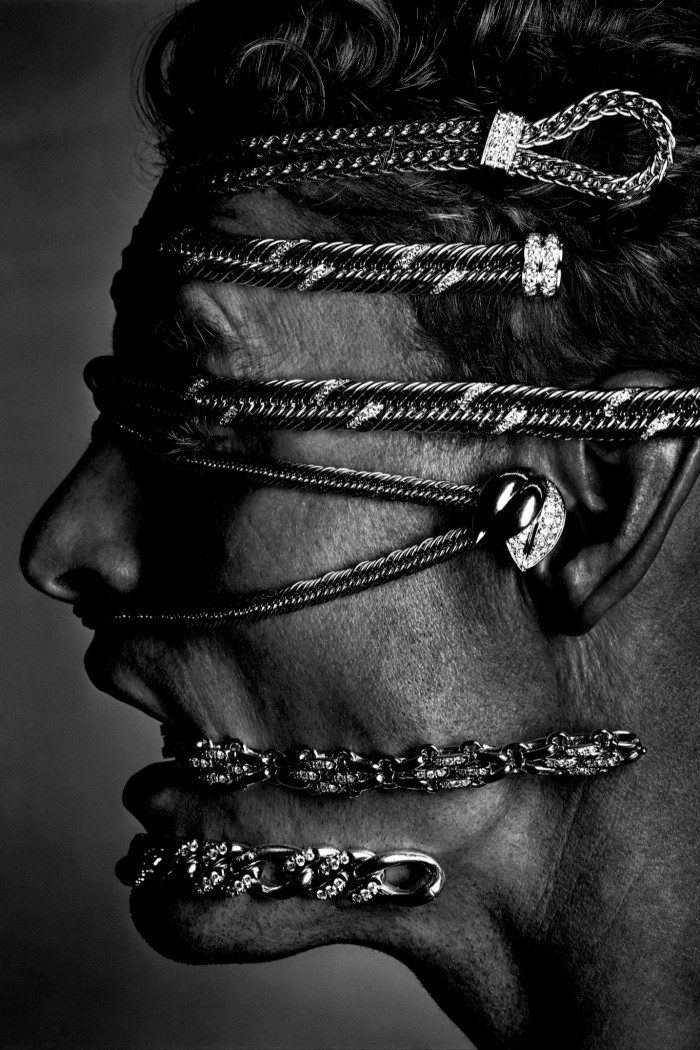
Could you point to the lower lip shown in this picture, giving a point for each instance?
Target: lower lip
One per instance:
(164, 799)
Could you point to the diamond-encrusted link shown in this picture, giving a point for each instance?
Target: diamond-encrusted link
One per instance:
(346, 773)
(229, 869)
(580, 755)
(442, 769)
(502, 140)
(541, 265)
(334, 773)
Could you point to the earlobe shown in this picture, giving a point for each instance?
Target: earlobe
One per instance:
(621, 502)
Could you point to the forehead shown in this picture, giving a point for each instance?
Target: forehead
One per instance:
(270, 333)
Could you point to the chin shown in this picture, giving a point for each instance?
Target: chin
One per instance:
(244, 930)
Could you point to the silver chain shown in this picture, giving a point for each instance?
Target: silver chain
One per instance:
(149, 415)
(304, 265)
(429, 768)
(230, 869)
(469, 408)
(445, 146)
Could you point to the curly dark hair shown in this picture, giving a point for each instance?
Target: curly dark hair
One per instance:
(630, 291)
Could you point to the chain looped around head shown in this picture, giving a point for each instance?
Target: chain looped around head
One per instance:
(630, 413)
(410, 269)
(230, 869)
(429, 768)
(508, 142)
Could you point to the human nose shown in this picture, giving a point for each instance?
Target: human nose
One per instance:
(85, 539)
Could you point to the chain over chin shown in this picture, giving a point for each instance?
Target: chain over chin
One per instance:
(324, 873)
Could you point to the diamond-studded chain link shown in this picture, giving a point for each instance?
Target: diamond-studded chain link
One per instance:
(230, 869)
(429, 768)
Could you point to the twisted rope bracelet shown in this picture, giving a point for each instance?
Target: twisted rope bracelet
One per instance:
(508, 143)
(230, 869)
(625, 414)
(532, 267)
(429, 768)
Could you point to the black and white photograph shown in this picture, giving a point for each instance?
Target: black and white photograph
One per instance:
(351, 423)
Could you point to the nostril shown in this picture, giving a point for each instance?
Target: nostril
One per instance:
(76, 585)
(101, 570)
(85, 541)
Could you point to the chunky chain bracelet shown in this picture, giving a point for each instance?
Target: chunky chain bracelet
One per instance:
(430, 768)
(230, 869)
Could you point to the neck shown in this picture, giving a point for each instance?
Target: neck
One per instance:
(577, 921)
(575, 914)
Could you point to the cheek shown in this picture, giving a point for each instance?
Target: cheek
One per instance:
(373, 671)
(388, 669)
(273, 537)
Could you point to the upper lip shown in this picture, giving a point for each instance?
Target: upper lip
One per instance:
(101, 670)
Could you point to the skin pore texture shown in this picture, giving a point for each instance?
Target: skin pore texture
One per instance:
(569, 909)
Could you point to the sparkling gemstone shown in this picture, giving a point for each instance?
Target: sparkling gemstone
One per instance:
(535, 542)
(502, 140)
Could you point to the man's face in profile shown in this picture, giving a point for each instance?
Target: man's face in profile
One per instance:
(585, 876)
(357, 673)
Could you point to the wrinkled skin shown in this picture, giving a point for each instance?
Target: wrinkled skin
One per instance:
(568, 904)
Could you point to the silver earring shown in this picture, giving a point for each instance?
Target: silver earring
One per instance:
(525, 511)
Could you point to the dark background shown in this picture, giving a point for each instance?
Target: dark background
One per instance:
(74, 971)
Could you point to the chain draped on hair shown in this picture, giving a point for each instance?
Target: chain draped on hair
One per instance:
(451, 145)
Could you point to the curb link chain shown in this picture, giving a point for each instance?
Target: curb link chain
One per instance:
(230, 869)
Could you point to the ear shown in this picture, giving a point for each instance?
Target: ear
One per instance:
(621, 501)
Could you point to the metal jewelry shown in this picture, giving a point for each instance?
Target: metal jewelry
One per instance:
(230, 869)
(630, 414)
(532, 267)
(234, 764)
(507, 143)
(508, 504)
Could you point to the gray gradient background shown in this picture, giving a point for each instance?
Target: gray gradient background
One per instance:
(74, 971)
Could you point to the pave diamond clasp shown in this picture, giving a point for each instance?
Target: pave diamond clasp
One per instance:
(502, 140)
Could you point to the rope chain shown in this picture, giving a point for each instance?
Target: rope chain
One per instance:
(304, 265)
(629, 413)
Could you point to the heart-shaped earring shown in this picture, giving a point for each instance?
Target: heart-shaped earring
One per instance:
(507, 504)
(526, 512)
(535, 542)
